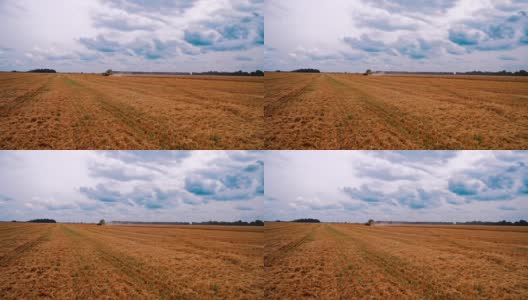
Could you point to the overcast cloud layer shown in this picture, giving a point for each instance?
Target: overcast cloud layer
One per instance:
(397, 35)
(131, 35)
(355, 186)
(131, 185)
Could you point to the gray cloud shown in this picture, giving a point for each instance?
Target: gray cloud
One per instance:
(366, 44)
(148, 156)
(228, 182)
(118, 173)
(364, 193)
(102, 193)
(423, 6)
(123, 23)
(463, 187)
(386, 24)
(100, 44)
(158, 6)
(236, 29)
(200, 187)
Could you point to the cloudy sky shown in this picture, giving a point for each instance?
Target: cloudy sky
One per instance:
(132, 35)
(141, 186)
(397, 35)
(354, 186)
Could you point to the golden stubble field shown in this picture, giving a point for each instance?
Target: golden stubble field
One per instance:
(345, 261)
(345, 111)
(75, 111)
(65, 261)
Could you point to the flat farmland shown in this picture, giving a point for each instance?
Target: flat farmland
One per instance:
(75, 111)
(345, 261)
(64, 261)
(345, 111)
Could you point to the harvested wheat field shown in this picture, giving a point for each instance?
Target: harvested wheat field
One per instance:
(74, 111)
(63, 261)
(344, 261)
(345, 111)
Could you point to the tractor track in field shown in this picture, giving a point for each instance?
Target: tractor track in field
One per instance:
(149, 279)
(127, 115)
(84, 261)
(344, 111)
(21, 250)
(284, 250)
(22, 100)
(392, 116)
(80, 111)
(349, 261)
(396, 269)
(289, 97)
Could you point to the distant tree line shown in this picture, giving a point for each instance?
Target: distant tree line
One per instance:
(43, 71)
(42, 221)
(414, 223)
(418, 73)
(236, 223)
(151, 73)
(151, 223)
(306, 220)
(209, 73)
(503, 222)
(306, 71)
(501, 73)
(237, 73)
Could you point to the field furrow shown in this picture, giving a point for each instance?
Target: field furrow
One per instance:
(69, 261)
(342, 111)
(74, 111)
(405, 262)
